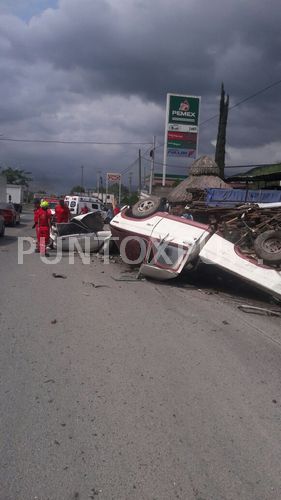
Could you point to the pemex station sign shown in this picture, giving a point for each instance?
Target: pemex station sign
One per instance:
(182, 122)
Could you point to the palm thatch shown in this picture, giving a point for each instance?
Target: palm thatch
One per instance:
(204, 174)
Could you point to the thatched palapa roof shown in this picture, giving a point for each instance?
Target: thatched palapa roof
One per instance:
(204, 174)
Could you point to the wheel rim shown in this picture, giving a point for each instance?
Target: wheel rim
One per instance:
(272, 245)
(145, 206)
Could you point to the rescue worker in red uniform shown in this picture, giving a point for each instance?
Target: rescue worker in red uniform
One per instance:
(35, 225)
(62, 212)
(44, 225)
(84, 210)
(115, 207)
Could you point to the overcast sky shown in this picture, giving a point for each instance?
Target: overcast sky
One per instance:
(99, 70)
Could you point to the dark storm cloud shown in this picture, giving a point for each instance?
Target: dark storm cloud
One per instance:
(100, 70)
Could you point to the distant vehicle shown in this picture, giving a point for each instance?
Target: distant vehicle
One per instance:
(15, 195)
(11, 216)
(2, 225)
(76, 203)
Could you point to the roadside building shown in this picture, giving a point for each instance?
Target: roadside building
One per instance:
(204, 174)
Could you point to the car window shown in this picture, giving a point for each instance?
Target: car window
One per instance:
(95, 206)
(4, 206)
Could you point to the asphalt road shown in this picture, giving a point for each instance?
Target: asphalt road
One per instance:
(133, 389)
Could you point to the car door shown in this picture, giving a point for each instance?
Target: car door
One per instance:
(173, 244)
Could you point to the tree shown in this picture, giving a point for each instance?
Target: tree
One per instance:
(17, 176)
(77, 189)
(114, 189)
(221, 137)
(130, 199)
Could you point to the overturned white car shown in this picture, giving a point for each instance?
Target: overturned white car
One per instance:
(247, 245)
(83, 232)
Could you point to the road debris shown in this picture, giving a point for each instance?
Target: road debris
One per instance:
(55, 275)
(259, 310)
(126, 277)
(54, 321)
(90, 283)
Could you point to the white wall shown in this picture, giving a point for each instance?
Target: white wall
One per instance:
(3, 185)
(16, 193)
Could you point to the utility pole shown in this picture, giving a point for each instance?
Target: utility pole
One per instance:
(151, 178)
(82, 176)
(119, 196)
(221, 136)
(139, 171)
(130, 183)
(98, 183)
(106, 187)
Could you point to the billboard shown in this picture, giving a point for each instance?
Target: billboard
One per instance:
(182, 123)
(113, 177)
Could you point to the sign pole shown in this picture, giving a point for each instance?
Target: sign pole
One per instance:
(98, 183)
(165, 143)
(106, 189)
(139, 171)
(152, 166)
(119, 198)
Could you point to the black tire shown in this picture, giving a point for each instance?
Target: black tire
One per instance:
(146, 207)
(3, 231)
(268, 246)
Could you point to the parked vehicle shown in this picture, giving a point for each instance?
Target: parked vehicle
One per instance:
(76, 203)
(165, 244)
(2, 225)
(15, 195)
(11, 216)
(85, 231)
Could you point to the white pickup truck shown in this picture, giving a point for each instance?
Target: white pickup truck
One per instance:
(164, 244)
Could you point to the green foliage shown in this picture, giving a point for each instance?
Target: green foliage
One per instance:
(130, 199)
(77, 189)
(17, 176)
(114, 189)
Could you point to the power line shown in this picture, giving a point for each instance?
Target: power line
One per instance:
(245, 99)
(54, 141)
(227, 166)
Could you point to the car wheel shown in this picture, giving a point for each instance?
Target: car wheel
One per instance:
(146, 207)
(268, 246)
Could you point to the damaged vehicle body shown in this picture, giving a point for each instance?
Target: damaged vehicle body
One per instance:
(83, 232)
(245, 242)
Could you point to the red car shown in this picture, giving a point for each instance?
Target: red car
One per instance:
(2, 226)
(11, 216)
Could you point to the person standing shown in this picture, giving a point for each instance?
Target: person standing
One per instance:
(84, 210)
(115, 207)
(35, 219)
(62, 212)
(44, 226)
